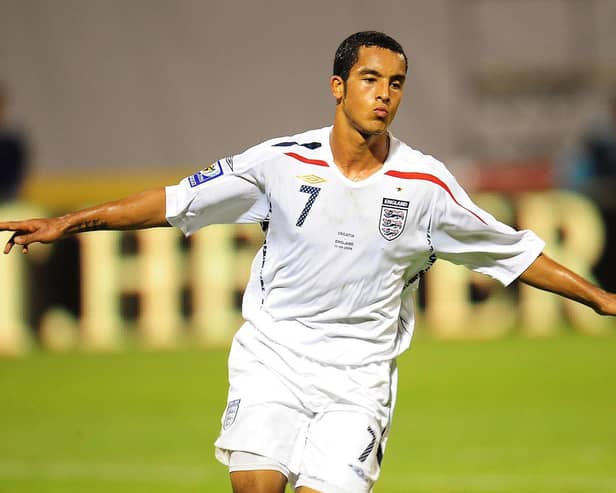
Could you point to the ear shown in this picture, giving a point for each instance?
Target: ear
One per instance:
(336, 85)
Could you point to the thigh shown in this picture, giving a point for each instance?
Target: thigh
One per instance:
(342, 454)
(264, 481)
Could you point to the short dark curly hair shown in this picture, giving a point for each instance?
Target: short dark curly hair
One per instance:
(348, 51)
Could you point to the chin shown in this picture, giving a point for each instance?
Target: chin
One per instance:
(379, 129)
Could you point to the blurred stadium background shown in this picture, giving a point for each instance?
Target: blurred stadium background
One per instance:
(113, 346)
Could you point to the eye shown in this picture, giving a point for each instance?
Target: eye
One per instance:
(396, 85)
(369, 79)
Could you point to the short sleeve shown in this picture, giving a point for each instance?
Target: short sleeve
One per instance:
(231, 190)
(464, 234)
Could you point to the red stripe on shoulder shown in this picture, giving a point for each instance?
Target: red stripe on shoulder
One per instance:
(306, 160)
(407, 175)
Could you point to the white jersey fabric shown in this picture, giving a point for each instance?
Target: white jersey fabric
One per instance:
(330, 281)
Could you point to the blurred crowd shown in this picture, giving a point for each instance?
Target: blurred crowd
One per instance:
(589, 168)
(14, 153)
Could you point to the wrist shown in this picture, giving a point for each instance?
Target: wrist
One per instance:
(602, 301)
(65, 224)
(79, 222)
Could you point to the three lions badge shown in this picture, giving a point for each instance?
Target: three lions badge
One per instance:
(231, 413)
(393, 218)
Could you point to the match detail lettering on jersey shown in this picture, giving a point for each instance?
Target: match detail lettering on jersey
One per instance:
(344, 241)
(212, 171)
(393, 218)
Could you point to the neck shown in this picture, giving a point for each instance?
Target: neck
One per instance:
(358, 156)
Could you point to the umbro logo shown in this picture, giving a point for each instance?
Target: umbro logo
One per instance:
(312, 179)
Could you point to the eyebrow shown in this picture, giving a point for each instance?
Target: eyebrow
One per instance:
(376, 73)
(370, 71)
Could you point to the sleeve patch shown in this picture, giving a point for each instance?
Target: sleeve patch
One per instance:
(212, 171)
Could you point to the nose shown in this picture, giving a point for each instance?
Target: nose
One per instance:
(383, 92)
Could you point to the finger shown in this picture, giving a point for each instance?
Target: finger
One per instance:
(10, 225)
(29, 226)
(19, 239)
(9, 244)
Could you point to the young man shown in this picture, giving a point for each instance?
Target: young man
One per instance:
(353, 217)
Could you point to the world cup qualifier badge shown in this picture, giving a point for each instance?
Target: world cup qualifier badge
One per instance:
(231, 413)
(214, 170)
(393, 218)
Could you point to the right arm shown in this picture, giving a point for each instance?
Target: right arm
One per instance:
(142, 210)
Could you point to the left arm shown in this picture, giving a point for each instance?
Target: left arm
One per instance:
(544, 273)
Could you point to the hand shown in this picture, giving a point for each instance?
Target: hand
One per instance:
(606, 304)
(31, 231)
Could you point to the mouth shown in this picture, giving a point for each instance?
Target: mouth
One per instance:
(381, 112)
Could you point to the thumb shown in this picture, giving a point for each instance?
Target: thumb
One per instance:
(25, 239)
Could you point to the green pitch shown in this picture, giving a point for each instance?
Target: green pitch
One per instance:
(508, 416)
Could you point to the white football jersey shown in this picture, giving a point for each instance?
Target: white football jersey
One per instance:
(329, 282)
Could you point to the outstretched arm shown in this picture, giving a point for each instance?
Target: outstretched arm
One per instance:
(544, 273)
(143, 210)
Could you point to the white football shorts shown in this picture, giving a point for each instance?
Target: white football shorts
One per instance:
(322, 426)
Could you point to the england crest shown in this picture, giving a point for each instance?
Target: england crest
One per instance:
(231, 413)
(393, 218)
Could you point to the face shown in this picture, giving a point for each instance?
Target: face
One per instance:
(369, 99)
